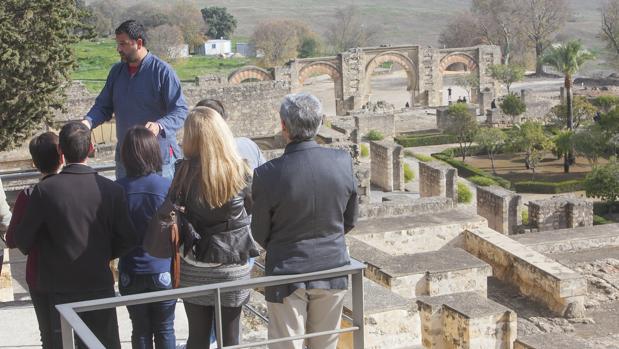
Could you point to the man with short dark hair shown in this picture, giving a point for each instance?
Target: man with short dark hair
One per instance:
(79, 221)
(141, 90)
(304, 203)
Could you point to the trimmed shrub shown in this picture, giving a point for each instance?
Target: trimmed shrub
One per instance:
(599, 220)
(365, 151)
(464, 194)
(374, 135)
(420, 157)
(482, 181)
(420, 141)
(548, 187)
(409, 175)
(524, 215)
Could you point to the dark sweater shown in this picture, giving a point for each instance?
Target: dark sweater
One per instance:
(144, 196)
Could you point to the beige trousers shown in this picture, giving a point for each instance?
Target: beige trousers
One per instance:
(306, 311)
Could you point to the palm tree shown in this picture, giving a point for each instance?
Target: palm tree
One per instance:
(567, 58)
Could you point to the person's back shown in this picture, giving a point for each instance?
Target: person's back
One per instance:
(87, 225)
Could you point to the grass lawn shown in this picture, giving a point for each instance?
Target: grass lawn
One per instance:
(95, 58)
(511, 167)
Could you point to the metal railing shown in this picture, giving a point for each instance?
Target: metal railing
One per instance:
(71, 322)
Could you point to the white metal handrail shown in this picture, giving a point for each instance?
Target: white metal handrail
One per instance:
(71, 322)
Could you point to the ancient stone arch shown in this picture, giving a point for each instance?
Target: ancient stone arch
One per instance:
(247, 73)
(398, 58)
(469, 63)
(317, 68)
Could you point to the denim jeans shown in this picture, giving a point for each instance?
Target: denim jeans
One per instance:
(151, 319)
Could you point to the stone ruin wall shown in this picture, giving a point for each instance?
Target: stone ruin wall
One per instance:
(387, 165)
(500, 207)
(560, 213)
(437, 179)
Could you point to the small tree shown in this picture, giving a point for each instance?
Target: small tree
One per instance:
(165, 40)
(463, 125)
(513, 106)
(583, 113)
(491, 139)
(507, 74)
(348, 30)
(603, 183)
(469, 82)
(606, 103)
(220, 24)
(283, 40)
(530, 138)
(563, 142)
(591, 143)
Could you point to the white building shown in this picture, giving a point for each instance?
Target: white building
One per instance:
(214, 47)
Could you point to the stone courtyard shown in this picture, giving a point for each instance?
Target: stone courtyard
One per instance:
(439, 274)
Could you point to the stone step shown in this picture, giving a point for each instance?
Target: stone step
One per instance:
(465, 320)
(429, 273)
(555, 341)
(404, 208)
(422, 232)
(571, 240)
(391, 321)
(558, 287)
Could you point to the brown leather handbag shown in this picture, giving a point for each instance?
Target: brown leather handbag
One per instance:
(162, 238)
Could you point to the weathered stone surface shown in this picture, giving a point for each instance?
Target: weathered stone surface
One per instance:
(365, 121)
(6, 280)
(437, 179)
(500, 207)
(387, 165)
(398, 208)
(560, 213)
(429, 273)
(554, 341)
(423, 232)
(572, 240)
(465, 320)
(559, 288)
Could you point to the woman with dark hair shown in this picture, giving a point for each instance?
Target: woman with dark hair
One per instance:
(140, 272)
(213, 184)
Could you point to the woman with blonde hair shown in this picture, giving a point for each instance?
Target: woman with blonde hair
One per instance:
(213, 183)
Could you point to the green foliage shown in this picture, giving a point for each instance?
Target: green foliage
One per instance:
(524, 215)
(36, 60)
(464, 193)
(424, 140)
(365, 151)
(374, 135)
(220, 24)
(482, 181)
(420, 157)
(409, 175)
(567, 58)
(606, 103)
(563, 142)
(512, 105)
(309, 47)
(491, 140)
(539, 187)
(469, 82)
(507, 73)
(462, 125)
(599, 220)
(603, 182)
(582, 109)
(531, 139)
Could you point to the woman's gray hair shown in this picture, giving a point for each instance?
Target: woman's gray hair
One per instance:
(302, 115)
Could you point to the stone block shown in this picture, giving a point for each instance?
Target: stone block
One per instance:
(552, 341)
(500, 207)
(465, 321)
(556, 286)
(383, 122)
(387, 170)
(560, 213)
(437, 179)
(573, 239)
(394, 209)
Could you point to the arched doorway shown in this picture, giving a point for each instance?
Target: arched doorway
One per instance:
(460, 77)
(324, 80)
(398, 86)
(249, 74)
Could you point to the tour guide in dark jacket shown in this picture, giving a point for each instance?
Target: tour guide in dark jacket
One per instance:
(304, 203)
(87, 224)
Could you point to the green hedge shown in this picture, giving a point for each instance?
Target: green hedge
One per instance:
(482, 181)
(420, 141)
(466, 170)
(599, 220)
(464, 193)
(548, 187)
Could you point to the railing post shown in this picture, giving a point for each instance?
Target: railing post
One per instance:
(218, 329)
(67, 334)
(357, 309)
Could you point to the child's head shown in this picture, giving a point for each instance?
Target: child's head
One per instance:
(44, 152)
